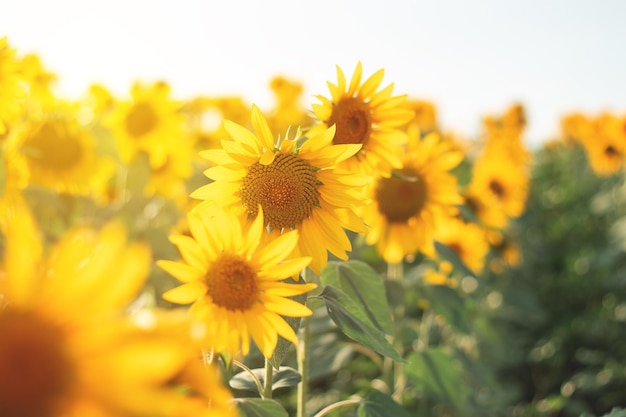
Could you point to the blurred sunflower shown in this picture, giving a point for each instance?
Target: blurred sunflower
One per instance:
(408, 207)
(38, 78)
(169, 180)
(150, 122)
(497, 183)
(55, 151)
(287, 111)
(294, 181)
(367, 117)
(467, 240)
(11, 87)
(206, 115)
(606, 144)
(235, 282)
(67, 351)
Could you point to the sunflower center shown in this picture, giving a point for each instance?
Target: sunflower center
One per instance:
(353, 121)
(54, 146)
(610, 151)
(141, 119)
(497, 188)
(232, 283)
(400, 199)
(36, 369)
(286, 189)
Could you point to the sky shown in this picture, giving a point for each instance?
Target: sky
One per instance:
(471, 58)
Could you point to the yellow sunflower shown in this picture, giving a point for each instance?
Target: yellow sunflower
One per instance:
(11, 88)
(606, 144)
(55, 151)
(149, 122)
(288, 110)
(37, 77)
(408, 207)
(499, 185)
(236, 283)
(294, 181)
(205, 117)
(66, 348)
(467, 240)
(365, 116)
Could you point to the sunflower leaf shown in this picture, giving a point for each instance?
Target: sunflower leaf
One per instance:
(363, 285)
(435, 371)
(354, 322)
(256, 407)
(377, 404)
(285, 377)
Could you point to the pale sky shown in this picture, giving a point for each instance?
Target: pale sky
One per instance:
(470, 58)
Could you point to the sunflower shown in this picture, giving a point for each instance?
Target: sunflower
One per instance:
(288, 111)
(11, 88)
(294, 181)
(66, 348)
(499, 185)
(37, 77)
(205, 117)
(234, 277)
(409, 206)
(149, 122)
(467, 240)
(606, 144)
(53, 150)
(367, 117)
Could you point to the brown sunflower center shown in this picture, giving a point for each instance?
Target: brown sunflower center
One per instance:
(36, 370)
(497, 188)
(399, 199)
(141, 119)
(611, 152)
(286, 189)
(353, 121)
(54, 146)
(232, 283)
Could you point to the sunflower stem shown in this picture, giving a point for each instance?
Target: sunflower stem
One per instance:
(338, 404)
(256, 380)
(395, 370)
(269, 379)
(303, 366)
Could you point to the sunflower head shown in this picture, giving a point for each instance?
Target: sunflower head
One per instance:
(233, 274)
(294, 180)
(366, 116)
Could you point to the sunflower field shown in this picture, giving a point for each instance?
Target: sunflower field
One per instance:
(202, 256)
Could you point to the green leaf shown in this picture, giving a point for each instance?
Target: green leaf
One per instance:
(439, 375)
(256, 407)
(283, 346)
(363, 285)
(285, 377)
(354, 323)
(448, 303)
(377, 404)
(450, 255)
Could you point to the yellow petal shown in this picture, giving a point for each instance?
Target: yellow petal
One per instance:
(262, 129)
(186, 293)
(180, 271)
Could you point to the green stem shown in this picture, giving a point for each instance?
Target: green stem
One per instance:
(256, 380)
(303, 366)
(269, 379)
(338, 404)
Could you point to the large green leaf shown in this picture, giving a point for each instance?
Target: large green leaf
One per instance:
(285, 377)
(439, 375)
(363, 285)
(355, 324)
(377, 404)
(256, 407)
